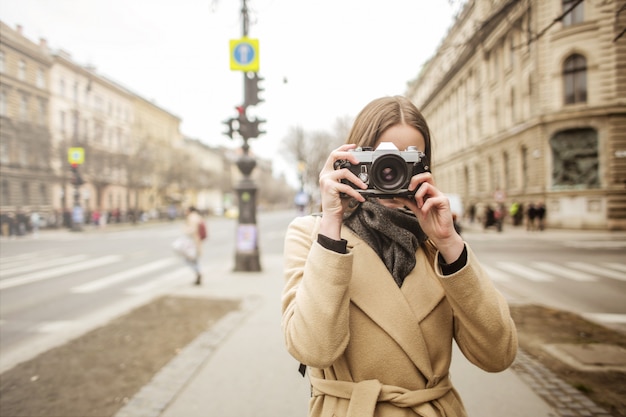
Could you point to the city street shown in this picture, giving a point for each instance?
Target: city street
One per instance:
(63, 283)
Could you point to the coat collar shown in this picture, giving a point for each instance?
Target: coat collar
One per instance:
(398, 311)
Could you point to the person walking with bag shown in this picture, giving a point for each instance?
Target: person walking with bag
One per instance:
(195, 230)
(377, 289)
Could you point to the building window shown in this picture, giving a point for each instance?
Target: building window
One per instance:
(23, 107)
(3, 103)
(21, 70)
(62, 88)
(575, 159)
(512, 101)
(576, 15)
(41, 115)
(2, 62)
(23, 154)
(6, 194)
(4, 152)
(575, 79)
(41, 81)
(25, 193)
(524, 167)
(507, 175)
(43, 193)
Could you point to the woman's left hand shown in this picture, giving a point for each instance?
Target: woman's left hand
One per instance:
(432, 209)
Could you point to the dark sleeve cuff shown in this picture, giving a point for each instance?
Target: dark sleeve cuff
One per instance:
(339, 246)
(456, 266)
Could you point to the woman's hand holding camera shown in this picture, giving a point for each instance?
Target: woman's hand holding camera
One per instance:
(432, 209)
(331, 188)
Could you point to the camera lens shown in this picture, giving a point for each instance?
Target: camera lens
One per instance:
(389, 173)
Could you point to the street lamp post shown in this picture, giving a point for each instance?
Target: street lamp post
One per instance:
(247, 239)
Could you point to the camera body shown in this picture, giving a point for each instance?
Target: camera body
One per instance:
(386, 170)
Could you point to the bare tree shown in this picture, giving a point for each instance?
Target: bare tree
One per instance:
(309, 150)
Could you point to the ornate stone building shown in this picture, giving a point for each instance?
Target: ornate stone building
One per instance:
(526, 100)
(25, 152)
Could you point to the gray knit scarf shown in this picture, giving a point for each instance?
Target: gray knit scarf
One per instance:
(395, 235)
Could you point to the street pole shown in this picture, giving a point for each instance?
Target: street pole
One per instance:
(247, 239)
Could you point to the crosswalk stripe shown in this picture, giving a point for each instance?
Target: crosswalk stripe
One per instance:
(56, 272)
(594, 269)
(496, 274)
(41, 265)
(158, 282)
(564, 272)
(123, 276)
(607, 317)
(619, 267)
(11, 261)
(528, 273)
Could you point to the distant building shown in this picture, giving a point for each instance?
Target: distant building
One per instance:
(89, 112)
(26, 172)
(526, 101)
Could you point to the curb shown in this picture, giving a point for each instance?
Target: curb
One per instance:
(566, 400)
(158, 394)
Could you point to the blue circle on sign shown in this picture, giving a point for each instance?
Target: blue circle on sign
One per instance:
(243, 53)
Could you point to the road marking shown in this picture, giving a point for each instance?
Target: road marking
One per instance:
(55, 326)
(496, 274)
(56, 272)
(607, 244)
(606, 317)
(619, 267)
(41, 265)
(594, 269)
(525, 272)
(159, 282)
(564, 272)
(9, 261)
(123, 276)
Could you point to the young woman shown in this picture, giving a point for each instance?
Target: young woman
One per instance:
(377, 288)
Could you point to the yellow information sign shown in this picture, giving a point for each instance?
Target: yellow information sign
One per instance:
(244, 55)
(76, 156)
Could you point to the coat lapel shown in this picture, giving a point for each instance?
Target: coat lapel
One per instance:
(375, 292)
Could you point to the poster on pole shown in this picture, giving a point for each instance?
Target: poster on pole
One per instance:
(246, 238)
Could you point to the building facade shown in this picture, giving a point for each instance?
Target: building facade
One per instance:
(26, 179)
(87, 111)
(526, 101)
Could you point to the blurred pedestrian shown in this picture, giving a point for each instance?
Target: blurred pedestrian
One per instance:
(35, 221)
(541, 214)
(531, 215)
(376, 290)
(193, 225)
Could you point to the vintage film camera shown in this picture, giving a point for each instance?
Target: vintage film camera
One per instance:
(387, 171)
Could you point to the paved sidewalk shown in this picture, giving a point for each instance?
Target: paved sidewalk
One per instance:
(240, 367)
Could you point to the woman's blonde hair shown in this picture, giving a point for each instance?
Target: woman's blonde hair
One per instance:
(383, 113)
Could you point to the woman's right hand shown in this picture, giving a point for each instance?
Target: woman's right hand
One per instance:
(331, 188)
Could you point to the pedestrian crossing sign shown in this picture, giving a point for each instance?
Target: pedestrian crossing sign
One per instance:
(76, 156)
(244, 54)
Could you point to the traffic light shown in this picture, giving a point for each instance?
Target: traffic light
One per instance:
(229, 132)
(253, 128)
(252, 89)
(76, 178)
(249, 129)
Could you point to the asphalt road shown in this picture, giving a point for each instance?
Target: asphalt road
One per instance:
(62, 284)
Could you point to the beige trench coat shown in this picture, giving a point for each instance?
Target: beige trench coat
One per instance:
(374, 349)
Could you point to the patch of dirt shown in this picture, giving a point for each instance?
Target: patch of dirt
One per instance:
(97, 373)
(537, 326)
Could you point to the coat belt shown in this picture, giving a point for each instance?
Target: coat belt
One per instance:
(364, 395)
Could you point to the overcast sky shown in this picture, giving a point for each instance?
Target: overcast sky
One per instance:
(321, 59)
